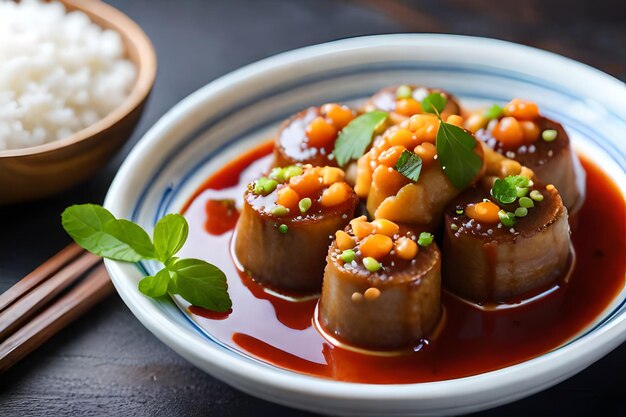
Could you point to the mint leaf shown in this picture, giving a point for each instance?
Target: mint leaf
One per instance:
(155, 286)
(201, 284)
(95, 229)
(507, 190)
(434, 103)
(354, 139)
(170, 234)
(455, 150)
(410, 165)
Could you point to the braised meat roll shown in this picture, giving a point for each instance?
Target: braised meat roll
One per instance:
(381, 286)
(308, 137)
(286, 225)
(519, 132)
(495, 252)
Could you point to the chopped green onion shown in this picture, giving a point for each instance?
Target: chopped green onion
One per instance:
(493, 112)
(264, 186)
(526, 202)
(283, 228)
(506, 218)
(277, 174)
(279, 210)
(549, 135)
(459, 210)
(536, 195)
(425, 239)
(521, 191)
(292, 171)
(404, 91)
(371, 264)
(304, 204)
(347, 256)
(521, 212)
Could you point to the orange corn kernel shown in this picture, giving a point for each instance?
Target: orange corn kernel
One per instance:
(408, 107)
(406, 248)
(331, 175)
(475, 122)
(425, 127)
(455, 119)
(427, 151)
(521, 109)
(362, 228)
(509, 132)
(486, 212)
(287, 197)
(531, 131)
(391, 155)
(340, 115)
(386, 227)
(401, 137)
(344, 240)
(388, 180)
(306, 184)
(376, 246)
(320, 133)
(336, 194)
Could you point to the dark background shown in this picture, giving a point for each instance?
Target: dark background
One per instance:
(106, 362)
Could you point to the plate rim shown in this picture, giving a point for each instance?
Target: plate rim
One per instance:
(574, 357)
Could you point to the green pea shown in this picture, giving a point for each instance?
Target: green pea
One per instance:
(279, 211)
(292, 171)
(521, 212)
(347, 255)
(549, 135)
(304, 205)
(536, 195)
(404, 91)
(493, 112)
(425, 239)
(264, 186)
(526, 202)
(277, 174)
(283, 228)
(371, 264)
(521, 191)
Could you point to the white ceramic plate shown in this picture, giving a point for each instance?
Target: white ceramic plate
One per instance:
(217, 122)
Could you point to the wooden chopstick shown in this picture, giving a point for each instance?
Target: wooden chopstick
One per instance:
(40, 274)
(66, 309)
(24, 308)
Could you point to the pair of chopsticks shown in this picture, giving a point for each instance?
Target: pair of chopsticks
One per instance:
(48, 299)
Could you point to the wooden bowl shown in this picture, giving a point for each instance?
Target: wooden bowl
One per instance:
(40, 171)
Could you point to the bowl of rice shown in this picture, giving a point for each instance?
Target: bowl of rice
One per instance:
(74, 78)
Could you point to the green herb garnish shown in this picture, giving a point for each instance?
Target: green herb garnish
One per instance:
(434, 103)
(493, 112)
(455, 151)
(410, 165)
(506, 218)
(354, 139)
(507, 190)
(95, 229)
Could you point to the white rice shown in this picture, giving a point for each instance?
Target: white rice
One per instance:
(59, 73)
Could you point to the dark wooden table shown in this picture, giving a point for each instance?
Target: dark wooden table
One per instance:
(107, 363)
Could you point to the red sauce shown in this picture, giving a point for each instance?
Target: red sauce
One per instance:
(472, 341)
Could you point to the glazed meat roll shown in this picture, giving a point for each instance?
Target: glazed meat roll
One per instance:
(502, 245)
(402, 102)
(382, 286)
(286, 226)
(519, 132)
(309, 136)
(391, 195)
